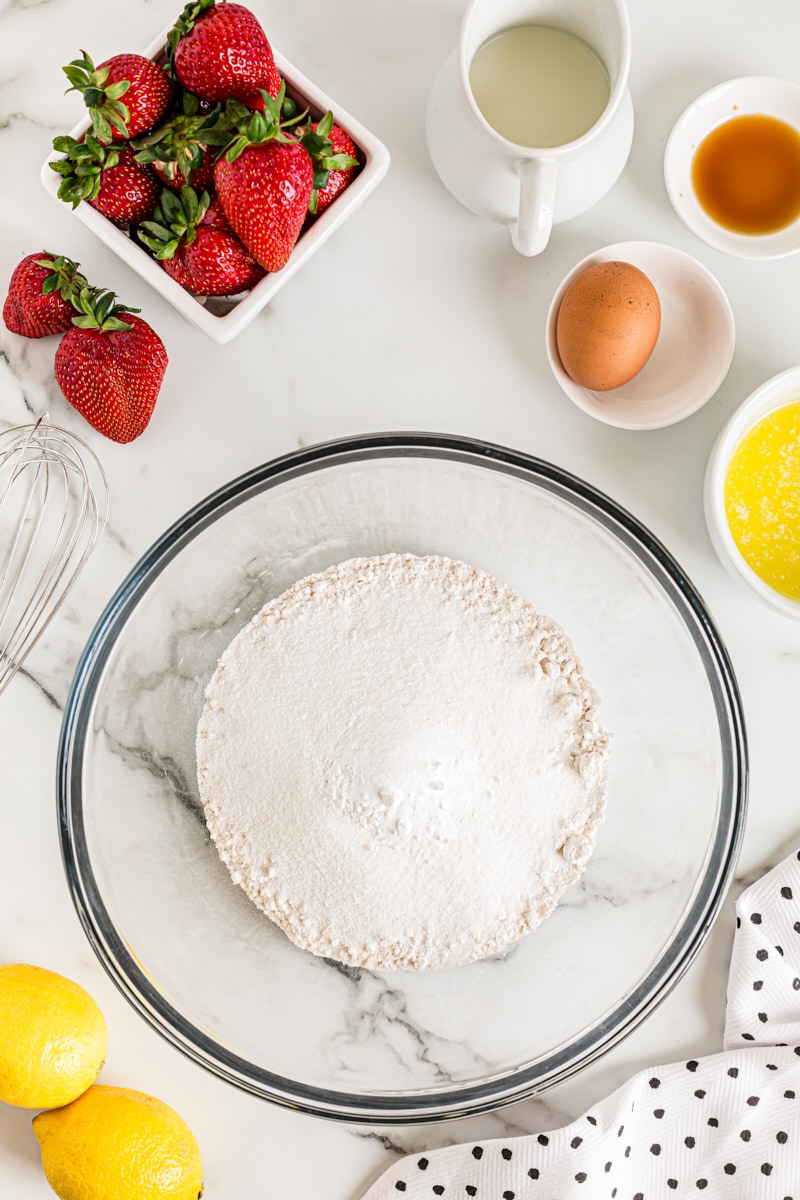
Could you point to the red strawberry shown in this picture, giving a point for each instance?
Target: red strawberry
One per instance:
(38, 301)
(125, 95)
(335, 159)
(191, 238)
(107, 177)
(220, 51)
(180, 151)
(214, 217)
(272, 86)
(264, 182)
(111, 369)
(171, 175)
(265, 193)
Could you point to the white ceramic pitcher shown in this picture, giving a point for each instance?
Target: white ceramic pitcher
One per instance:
(530, 190)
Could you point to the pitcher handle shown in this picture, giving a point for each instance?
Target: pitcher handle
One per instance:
(530, 232)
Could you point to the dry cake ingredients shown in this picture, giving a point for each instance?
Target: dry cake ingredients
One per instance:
(401, 763)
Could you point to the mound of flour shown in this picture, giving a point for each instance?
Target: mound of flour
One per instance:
(401, 764)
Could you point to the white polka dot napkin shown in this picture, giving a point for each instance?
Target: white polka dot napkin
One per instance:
(727, 1125)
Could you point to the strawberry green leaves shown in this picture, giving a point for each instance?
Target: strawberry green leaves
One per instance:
(186, 21)
(144, 84)
(184, 142)
(103, 99)
(41, 292)
(174, 222)
(81, 169)
(108, 177)
(317, 141)
(97, 308)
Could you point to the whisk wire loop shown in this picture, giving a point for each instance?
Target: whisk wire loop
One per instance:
(53, 506)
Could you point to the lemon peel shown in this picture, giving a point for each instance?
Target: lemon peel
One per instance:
(117, 1142)
(53, 1038)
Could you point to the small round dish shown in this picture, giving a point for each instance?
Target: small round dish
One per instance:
(213, 974)
(775, 393)
(752, 94)
(693, 351)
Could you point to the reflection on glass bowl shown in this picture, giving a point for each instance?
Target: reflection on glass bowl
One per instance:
(206, 969)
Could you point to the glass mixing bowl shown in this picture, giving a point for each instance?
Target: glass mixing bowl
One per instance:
(212, 974)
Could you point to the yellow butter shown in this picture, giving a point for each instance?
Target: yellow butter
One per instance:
(762, 499)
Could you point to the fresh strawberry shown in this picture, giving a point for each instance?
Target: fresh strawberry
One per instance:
(180, 151)
(110, 365)
(172, 176)
(264, 182)
(335, 160)
(220, 51)
(214, 217)
(191, 238)
(38, 300)
(145, 86)
(107, 177)
(271, 85)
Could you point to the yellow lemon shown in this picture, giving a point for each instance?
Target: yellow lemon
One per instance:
(116, 1144)
(53, 1038)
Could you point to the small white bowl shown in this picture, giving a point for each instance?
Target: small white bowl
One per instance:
(735, 98)
(223, 318)
(775, 393)
(693, 351)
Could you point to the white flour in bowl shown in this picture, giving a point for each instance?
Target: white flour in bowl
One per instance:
(401, 764)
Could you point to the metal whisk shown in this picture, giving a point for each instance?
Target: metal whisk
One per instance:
(53, 506)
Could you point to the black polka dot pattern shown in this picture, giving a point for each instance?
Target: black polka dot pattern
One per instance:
(727, 1125)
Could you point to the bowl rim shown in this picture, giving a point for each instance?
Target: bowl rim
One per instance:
(705, 112)
(508, 1085)
(774, 393)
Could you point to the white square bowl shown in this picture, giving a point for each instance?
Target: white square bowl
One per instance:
(223, 318)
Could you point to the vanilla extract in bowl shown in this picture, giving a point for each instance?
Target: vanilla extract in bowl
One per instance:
(746, 174)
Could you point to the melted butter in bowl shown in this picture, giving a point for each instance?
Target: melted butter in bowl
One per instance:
(752, 493)
(762, 499)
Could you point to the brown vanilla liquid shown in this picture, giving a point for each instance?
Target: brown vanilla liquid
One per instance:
(746, 174)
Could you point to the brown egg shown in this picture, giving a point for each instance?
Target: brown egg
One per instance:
(607, 325)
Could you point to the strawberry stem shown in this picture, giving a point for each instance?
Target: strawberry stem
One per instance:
(97, 309)
(319, 146)
(184, 137)
(174, 222)
(185, 24)
(82, 167)
(107, 111)
(64, 278)
(254, 128)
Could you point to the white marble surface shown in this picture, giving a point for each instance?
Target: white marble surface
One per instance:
(422, 318)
